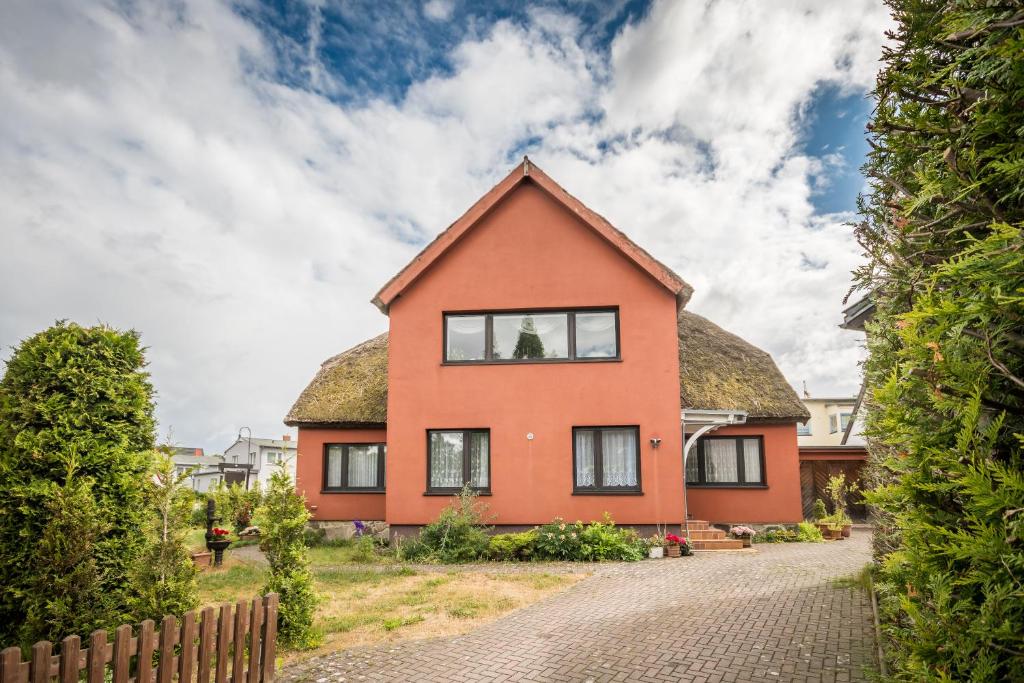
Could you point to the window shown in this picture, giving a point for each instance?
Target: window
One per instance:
(606, 459)
(273, 457)
(354, 467)
(515, 337)
(833, 424)
(803, 429)
(458, 457)
(844, 420)
(727, 461)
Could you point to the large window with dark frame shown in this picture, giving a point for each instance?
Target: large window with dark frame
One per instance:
(458, 457)
(354, 467)
(606, 459)
(516, 337)
(727, 461)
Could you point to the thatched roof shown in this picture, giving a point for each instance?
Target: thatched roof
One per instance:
(717, 370)
(350, 389)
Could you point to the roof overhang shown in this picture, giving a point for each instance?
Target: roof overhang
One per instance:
(698, 418)
(527, 172)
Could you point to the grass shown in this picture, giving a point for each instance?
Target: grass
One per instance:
(365, 605)
(862, 579)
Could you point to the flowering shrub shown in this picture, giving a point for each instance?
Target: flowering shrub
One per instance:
(559, 540)
(742, 531)
(672, 539)
(220, 534)
(579, 542)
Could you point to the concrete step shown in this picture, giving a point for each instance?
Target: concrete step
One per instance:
(695, 524)
(719, 544)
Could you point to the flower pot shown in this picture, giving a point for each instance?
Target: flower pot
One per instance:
(656, 552)
(746, 541)
(847, 528)
(202, 559)
(218, 547)
(673, 551)
(823, 528)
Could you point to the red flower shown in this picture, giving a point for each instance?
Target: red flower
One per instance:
(672, 538)
(220, 532)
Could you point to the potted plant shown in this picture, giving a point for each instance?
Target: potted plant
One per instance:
(218, 543)
(839, 491)
(835, 532)
(674, 545)
(744, 533)
(655, 547)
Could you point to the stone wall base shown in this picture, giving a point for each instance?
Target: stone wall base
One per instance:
(645, 530)
(343, 531)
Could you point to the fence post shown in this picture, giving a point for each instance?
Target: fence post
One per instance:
(122, 657)
(70, 648)
(241, 624)
(10, 665)
(145, 668)
(168, 639)
(207, 631)
(269, 639)
(223, 643)
(42, 655)
(97, 662)
(186, 661)
(255, 625)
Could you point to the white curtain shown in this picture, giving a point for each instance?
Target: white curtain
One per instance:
(446, 460)
(479, 460)
(584, 458)
(720, 461)
(618, 457)
(752, 461)
(692, 473)
(362, 466)
(595, 335)
(333, 467)
(466, 337)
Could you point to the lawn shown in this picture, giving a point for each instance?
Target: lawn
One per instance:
(384, 601)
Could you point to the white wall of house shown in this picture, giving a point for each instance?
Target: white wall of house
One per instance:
(264, 455)
(829, 417)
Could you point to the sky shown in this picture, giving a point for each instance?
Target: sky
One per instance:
(235, 181)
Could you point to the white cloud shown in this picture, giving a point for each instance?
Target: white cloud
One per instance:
(438, 10)
(155, 175)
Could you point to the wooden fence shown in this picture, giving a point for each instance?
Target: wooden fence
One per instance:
(232, 645)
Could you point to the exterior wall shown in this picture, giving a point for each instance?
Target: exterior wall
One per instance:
(309, 476)
(778, 502)
(530, 252)
(257, 457)
(821, 435)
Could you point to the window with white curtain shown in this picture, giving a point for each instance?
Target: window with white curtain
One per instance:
(606, 459)
(531, 336)
(354, 467)
(727, 461)
(458, 457)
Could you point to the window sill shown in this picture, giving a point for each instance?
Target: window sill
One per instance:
(727, 486)
(454, 493)
(352, 491)
(598, 492)
(537, 361)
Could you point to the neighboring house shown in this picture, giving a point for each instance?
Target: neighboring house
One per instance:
(248, 461)
(831, 443)
(203, 470)
(538, 355)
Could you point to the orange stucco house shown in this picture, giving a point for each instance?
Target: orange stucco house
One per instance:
(537, 354)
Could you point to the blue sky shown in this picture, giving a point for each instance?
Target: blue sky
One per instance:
(235, 180)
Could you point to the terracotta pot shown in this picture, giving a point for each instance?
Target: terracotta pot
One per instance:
(672, 551)
(823, 528)
(746, 541)
(202, 559)
(847, 528)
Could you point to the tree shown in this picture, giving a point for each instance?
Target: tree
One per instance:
(528, 344)
(282, 522)
(165, 577)
(941, 231)
(76, 440)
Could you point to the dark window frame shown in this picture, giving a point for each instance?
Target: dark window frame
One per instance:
(570, 331)
(599, 489)
(740, 469)
(466, 463)
(344, 487)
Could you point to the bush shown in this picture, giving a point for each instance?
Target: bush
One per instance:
(76, 424)
(776, 536)
(809, 533)
(282, 521)
(559, 540)
(364, 549)
(509, 547)
(818, 512)
(458, 535)
(577, 542)
(235, 505)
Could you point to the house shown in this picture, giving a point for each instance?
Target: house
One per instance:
(538, 355)
(249, 461)
(203, 470)
(831, 442)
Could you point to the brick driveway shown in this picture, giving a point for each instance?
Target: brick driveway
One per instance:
(770, 615)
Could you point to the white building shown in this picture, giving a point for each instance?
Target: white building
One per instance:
(254, 459)
(203, 470)
(829, 419)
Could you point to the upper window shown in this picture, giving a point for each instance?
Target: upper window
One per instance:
(458, 457)
(833, 424)
(354, 466)
(531, 336)
(727, 461)
(606, 459)
(273, 457)
(844, 420)
(803, 429)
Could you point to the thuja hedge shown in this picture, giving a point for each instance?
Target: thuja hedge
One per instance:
(941, 231)
(76, 443)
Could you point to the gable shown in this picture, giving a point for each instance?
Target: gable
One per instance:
(527, 174)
